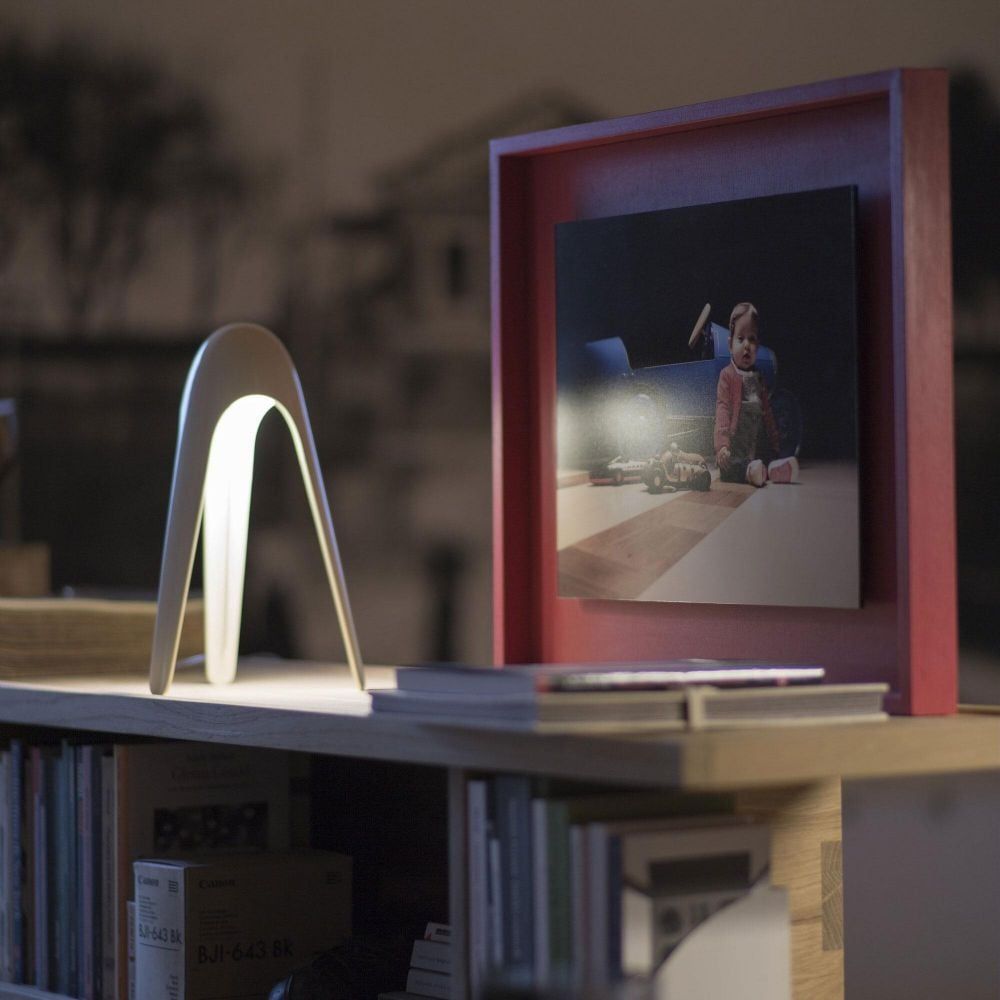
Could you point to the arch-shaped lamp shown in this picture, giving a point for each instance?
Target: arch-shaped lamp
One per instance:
(238, 374)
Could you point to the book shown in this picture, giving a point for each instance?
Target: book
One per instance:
(495, 902)
(541, 883)
(28, 868)
(55, 890)
(511, 812)
(435, 956)
(478, 867)
(130, 992)
(39, 872)
(108, 902)
(68, 636)
(234, 926)
(806, 704)
(64, 887)
(429, 984)
(6, 923)
(185, 799)
(435, 931)
(544, 711)
(15, 788)
(695, 707)
(537, 678)
(89, 854)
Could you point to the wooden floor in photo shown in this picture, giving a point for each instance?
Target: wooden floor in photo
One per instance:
(791, 544)
(622, 561)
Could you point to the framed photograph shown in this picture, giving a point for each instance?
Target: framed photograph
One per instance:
(722, 387)
(694, 417)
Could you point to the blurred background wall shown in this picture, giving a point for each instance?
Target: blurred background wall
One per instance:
(322, 168)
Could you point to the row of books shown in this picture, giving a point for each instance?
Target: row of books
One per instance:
(75, 815)
(575, 891)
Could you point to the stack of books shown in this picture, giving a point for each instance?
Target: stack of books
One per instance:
(689, 694)
(430, 966)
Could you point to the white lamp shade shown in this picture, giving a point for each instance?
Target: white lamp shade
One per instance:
(238, 375)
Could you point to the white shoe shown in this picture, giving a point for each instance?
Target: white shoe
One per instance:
(783, 470)
(756, 473)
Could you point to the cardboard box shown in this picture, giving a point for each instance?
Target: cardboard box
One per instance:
(233, 927)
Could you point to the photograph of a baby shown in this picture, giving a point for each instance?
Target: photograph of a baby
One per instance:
(746, 434)
(687, 470)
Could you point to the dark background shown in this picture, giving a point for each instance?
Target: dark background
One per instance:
(646, 277)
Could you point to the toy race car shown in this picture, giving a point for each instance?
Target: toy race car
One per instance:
(676, 401)
(616, 472)
(676, 470)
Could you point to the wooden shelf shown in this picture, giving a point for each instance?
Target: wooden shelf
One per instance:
(12, 991)
(312, 707)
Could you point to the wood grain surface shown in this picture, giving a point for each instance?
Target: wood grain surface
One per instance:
(805, 824)
(620, 562)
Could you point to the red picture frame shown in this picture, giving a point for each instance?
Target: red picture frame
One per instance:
(885, 133)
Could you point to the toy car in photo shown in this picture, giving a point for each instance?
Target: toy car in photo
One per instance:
(617, 472)
(676, 470)
(676, 401)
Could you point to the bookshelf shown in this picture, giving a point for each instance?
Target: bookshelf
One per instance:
(312, 708)
(791, 776)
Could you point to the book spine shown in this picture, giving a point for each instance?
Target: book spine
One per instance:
(16, 786)
(432, 956)
(560, 895)
(73, 854)
(41, 866)
(84, 875)
(597, 905)
(53, 866)
(540, 890)
(121, 883)
(130, 950)
(578, 871)
(89, 867)
(513, 818)
(437, 932)
(428, 984)
(28, 868)
(108, 950)
(6, 936)
(158, 932)
(62, 887)
(495, 904)
(614, 911)
(479, 945)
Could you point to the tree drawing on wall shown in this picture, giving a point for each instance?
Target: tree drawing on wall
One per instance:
(94, 149)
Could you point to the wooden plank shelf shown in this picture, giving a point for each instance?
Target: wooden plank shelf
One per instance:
(14, 991)
(313, 708)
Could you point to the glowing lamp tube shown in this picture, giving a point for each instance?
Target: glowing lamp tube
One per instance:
(239, 373)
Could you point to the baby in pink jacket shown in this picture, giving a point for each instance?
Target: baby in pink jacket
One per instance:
(746, 435)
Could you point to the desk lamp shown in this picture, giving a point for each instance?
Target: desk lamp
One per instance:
(238, 374)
